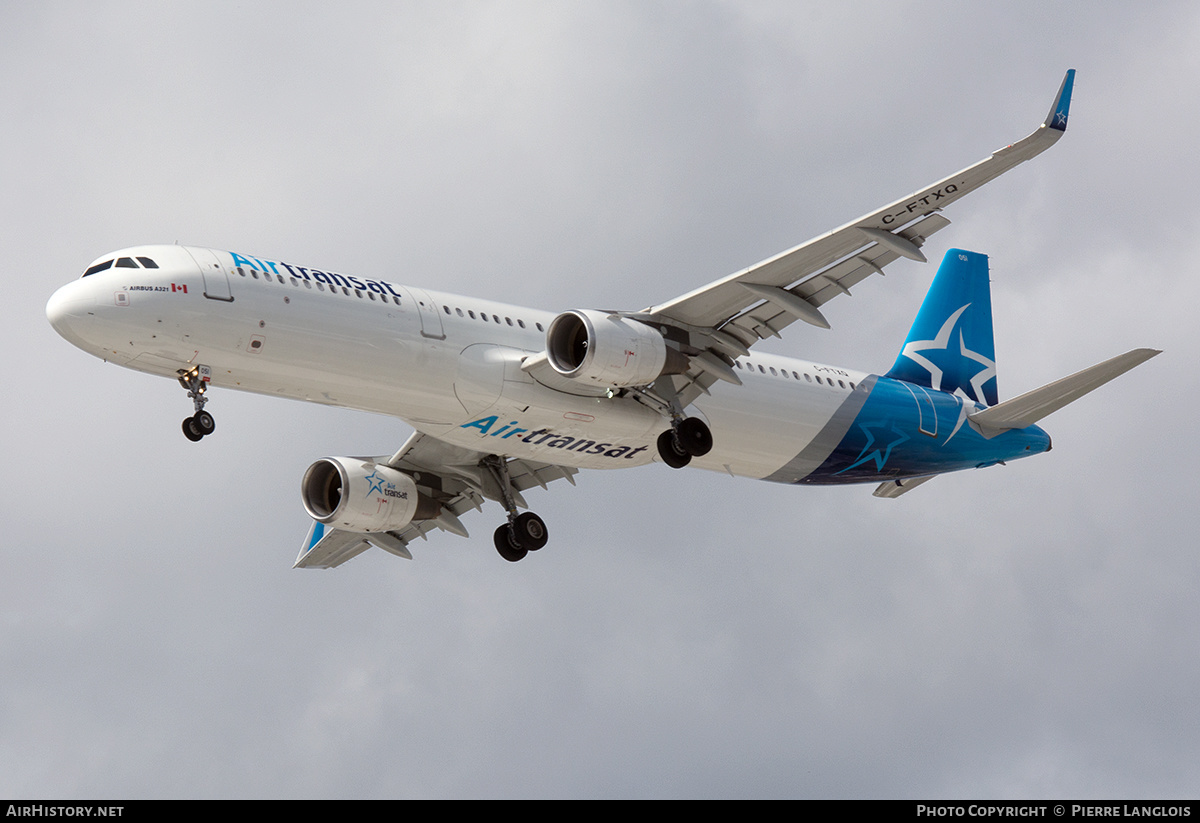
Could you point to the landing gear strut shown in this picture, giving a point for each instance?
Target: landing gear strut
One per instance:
(687, 438)
(524, 532)
(201, 423)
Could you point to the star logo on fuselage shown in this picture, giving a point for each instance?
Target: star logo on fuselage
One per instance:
(882, 437)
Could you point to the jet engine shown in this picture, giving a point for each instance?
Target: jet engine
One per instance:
(359, 495)
(609, 349)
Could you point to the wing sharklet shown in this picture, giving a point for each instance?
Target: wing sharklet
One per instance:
(325, 548)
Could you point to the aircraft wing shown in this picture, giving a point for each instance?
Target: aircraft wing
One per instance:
(458, 479)
(728, 316)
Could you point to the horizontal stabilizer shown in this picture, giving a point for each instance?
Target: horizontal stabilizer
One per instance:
(1032, 406)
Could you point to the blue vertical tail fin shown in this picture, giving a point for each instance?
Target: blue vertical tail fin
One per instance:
(950, 346)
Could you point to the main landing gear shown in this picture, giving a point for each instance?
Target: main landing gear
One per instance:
(524, 532)
(687, 438)
(201, 423)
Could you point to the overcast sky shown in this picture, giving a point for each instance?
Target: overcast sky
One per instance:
(1022, 631)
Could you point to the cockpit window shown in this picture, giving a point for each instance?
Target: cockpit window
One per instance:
(122, 263)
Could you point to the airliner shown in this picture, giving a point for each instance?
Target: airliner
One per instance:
(504, 398)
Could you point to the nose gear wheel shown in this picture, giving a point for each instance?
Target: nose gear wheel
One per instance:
(201, 423)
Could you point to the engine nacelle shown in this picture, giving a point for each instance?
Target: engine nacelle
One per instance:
(609, 349)
(361, 496)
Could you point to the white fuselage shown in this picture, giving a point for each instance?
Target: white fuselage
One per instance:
(450, 366)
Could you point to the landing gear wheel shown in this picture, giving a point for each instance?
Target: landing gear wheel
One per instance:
(503, 540)
(530, 531)
(671, 451)
(526, 533)
(201, 423)
(204, 422)
(191, 431)
(694, 436)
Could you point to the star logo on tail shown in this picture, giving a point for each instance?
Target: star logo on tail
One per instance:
(928, 353)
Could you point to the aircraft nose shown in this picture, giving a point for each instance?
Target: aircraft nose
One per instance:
(67, 309)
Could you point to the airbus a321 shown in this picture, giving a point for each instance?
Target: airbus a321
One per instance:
(503, 398)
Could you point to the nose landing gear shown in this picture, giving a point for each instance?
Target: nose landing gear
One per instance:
(201, 423)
